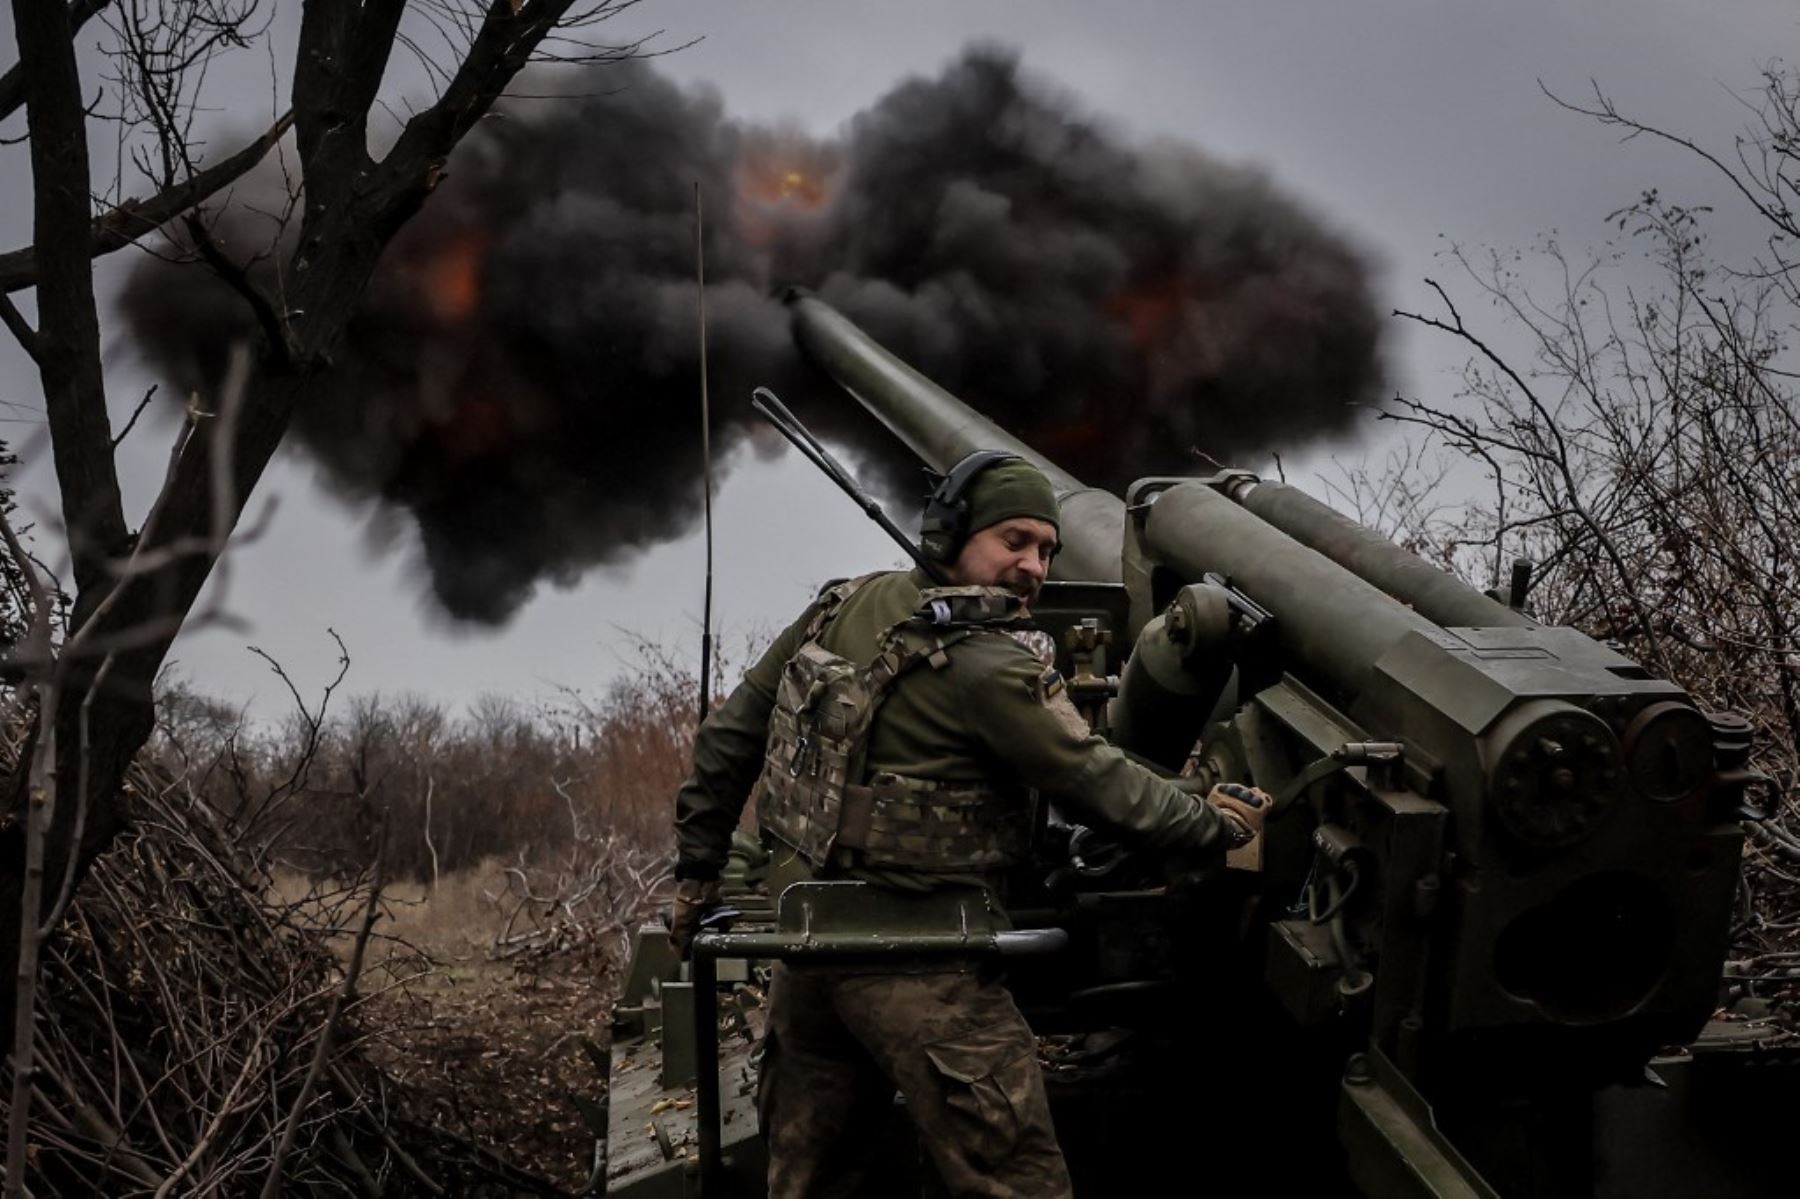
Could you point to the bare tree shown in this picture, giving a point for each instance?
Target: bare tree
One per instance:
(133, 589)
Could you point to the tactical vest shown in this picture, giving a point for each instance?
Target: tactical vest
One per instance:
(815, 797)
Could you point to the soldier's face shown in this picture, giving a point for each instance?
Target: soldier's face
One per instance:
(1014, 554)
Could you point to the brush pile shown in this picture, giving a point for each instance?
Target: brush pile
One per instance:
(180, 1012)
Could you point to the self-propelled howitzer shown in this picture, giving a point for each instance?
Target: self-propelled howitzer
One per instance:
(1497, 886)
(1507, 852)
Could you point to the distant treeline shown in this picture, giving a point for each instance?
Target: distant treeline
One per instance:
(505, 780)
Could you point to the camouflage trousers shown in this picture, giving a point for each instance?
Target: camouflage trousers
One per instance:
(954, 1044)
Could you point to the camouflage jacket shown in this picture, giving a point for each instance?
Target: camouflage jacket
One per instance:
(993, 715)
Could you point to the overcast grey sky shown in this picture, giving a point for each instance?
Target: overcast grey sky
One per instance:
(1397, 120)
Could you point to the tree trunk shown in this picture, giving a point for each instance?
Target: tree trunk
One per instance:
(353, 207)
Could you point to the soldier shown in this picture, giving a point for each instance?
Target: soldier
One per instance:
(902, 724)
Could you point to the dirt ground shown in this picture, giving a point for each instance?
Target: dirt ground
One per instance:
(499, 1058)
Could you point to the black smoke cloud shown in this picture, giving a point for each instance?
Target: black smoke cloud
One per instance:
(522, 377)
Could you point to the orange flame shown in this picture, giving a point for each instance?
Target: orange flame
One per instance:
(451, 279)
(1150, 311)
(779, 179)
(774, 182)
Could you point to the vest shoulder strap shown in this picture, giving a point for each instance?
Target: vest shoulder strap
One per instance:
(832, 599)
(948, 607)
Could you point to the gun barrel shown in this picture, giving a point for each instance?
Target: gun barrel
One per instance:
(1325, 615)
(1323, 577)
(941, 429)
(1434, 593)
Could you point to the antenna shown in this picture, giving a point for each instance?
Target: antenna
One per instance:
(777, 414)
(706, 633)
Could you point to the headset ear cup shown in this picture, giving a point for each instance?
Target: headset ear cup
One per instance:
(946, 522)
(939, 537)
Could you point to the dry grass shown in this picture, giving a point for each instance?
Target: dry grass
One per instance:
(489, 1038)
(460, 914)
(457, 918)
(519, 845)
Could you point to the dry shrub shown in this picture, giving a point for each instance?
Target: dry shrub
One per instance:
(531, 832)
(184, 1006)
(580, 912)
(529, 786)
(639, 746)
(180, 1011)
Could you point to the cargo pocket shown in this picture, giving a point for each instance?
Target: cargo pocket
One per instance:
(988, 1076)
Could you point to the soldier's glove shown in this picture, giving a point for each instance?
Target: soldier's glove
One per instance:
(1244, 808)
(694, 897)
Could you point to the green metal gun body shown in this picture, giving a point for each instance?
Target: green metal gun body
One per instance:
(1509, 851)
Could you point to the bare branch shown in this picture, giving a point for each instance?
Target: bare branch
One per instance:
(1607, 113)
(84, 759)
(19, 327)
(133, 219)
(38, 814)
(135, 413)
(1558, 457)
(274, 325)
(323, 1047)
(12, 84)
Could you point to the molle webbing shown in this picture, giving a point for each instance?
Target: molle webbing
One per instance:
(813, 795)
(899, 821)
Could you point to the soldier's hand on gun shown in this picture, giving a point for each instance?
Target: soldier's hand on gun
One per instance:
(694, 897)
(1244, 808)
